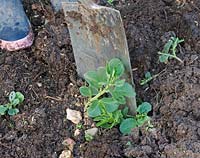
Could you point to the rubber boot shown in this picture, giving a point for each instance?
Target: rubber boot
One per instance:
(15, 28)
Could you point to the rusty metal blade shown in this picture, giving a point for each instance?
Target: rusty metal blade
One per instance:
(97, 35)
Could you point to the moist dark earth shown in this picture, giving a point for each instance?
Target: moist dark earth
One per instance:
(46, 75)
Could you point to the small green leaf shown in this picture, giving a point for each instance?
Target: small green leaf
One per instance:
(104, 124)
(94, 110)
(167, 46)
(117, 116)
(143, 120)
(163, 58)
(148, 75)
(115, 66)
(125, 111)
(20, 96)
(88, 91)
(101, 117)
(126, 90)
(104, 120)
(85, 91)
(92, 78)
(119, 83)
(147, 78)
(127, 125)
(15, 102)
(3, 109)
(102, 76)
(111, 105)
(88, 137)
(12, 96)
(118, 97)
(12, 112)
(145, 107)
(93, 90)
(176, 41)
(109, 120)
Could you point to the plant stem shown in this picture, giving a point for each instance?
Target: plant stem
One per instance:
(102, 91)
(97, 96)
(173, 56)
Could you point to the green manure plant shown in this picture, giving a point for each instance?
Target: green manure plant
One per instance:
(169, 50)
(15, 98)
(107, 91)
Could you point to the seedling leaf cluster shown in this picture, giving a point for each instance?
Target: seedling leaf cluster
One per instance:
(170, 49)
(137, 121)
(15, 98)
(107, 92)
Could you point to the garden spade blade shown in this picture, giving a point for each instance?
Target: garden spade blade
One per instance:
(97, 35)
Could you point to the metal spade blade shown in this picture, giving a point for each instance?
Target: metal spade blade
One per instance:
(97, 35)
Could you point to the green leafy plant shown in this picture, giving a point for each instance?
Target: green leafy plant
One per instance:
(137, 121)
(15, 98)
(169, 50)
(106, 92)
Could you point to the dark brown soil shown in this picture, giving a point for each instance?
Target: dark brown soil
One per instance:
(46, 75)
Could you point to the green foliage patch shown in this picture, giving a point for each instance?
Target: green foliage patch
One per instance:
(169, 50)
(107, 92)
(15, 98)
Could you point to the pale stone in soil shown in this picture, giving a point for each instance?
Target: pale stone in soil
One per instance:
(74, 116)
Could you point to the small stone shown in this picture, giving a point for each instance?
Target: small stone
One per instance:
(71, 84)
(76, 132)
(69, 143)
(10, 135)
(78, 104)
(92, 131)
(66, 154)
(74, 116)
(39, 84)
(181, 130)
(54, 155)
(147, 149)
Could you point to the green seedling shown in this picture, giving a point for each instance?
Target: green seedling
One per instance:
(79, 126)
(129, 144)
(148, 78)
(106, 91)
(88, 137)
(137, 121)
(15, 98)
(169, 50)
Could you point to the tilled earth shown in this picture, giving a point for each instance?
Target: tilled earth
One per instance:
(46, 75)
